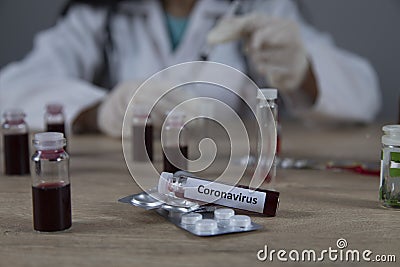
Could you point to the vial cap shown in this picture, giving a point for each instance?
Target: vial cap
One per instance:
(391, 129)
(223, 214)
(141, 111)
(14, 114)
(240, 221)
(270, 93)
(191, 218)
(54, 108)
(206, 225)
(175, 118)
(163, 182)
(392, 135)
(49, 141)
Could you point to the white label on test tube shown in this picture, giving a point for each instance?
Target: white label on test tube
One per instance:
(225, 195)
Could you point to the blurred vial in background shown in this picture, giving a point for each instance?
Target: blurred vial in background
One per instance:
(271, 95)
(265, 101)
(142, 134)
(54, 118)
(15, 142)
(174, 143)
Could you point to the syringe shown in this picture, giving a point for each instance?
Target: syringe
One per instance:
(234, 7)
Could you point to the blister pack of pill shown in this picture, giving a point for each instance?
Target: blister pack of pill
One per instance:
(207, 220)
(211, 222)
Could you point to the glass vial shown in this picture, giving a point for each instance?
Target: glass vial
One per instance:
(389, 193)
(174, 143)
(16, 143)
(271, 95)
(54, 118)
(264, 102)
(142, 130)
(51, 189)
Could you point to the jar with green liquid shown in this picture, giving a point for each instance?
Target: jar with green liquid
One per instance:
(389, 193)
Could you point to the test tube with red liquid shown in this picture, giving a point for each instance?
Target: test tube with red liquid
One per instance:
(203, 191)
(51, 189)
(16, 142)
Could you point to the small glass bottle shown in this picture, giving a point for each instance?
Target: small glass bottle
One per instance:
(389, 193)
(271, 95)
(54, 118)
(16, 142)
(174, 143)
(264, 102)
(51, 189)
(142, 131)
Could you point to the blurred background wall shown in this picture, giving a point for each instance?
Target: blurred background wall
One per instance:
(366, 27)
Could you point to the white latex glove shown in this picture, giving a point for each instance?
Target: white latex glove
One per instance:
(111, 112)
(273, 45)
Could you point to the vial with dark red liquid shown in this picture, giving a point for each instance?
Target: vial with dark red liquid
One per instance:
(16, 143)
(174, 143)
(142, 134)
(51, 189)
(54, 118)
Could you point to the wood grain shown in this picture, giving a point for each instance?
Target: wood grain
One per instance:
(316, 208)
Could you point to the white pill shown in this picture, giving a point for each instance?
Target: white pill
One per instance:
(191, 218)
(240, 221)
(206, 225)
(223, 214)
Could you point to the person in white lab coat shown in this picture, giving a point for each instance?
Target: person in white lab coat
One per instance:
(316, 78)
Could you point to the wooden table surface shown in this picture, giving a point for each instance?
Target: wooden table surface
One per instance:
(316, 209)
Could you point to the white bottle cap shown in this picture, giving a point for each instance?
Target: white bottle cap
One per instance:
(49, 141)
(191, 218)
(240, 221)
(392, 129)
(163, 182)
(269, 93)
(223, 214)
(206, 225)
(54, 108)
(175, 118)
(141, 110)
(14, 114)
(392, 135)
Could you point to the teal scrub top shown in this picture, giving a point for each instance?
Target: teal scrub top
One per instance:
(176, 28)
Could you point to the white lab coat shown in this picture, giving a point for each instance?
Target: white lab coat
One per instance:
(64, 58)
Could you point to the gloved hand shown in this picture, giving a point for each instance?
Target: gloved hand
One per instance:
(273, 45)
(112, 110)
